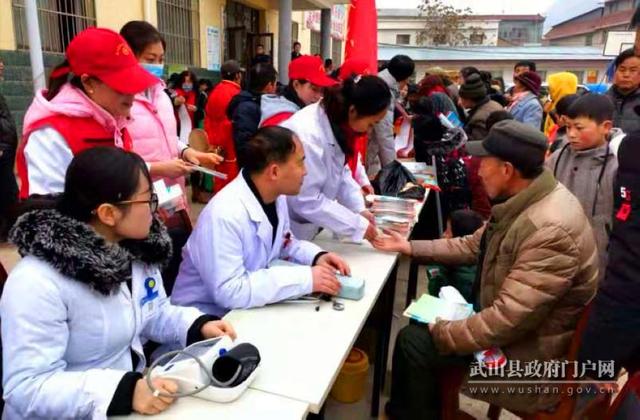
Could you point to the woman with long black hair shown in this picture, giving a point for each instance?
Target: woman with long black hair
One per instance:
(86, 295)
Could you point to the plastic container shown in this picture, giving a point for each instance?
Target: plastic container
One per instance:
(350, 385)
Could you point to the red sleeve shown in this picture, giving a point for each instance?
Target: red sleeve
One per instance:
(276, 119)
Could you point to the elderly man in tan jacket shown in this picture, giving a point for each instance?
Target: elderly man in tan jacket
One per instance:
(537, 269)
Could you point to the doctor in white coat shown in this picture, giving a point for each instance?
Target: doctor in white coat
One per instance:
(330, 198)
(88, 292)
(228, 262)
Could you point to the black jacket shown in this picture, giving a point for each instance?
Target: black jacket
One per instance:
(244, 113)
(8, 185)
(8, 134)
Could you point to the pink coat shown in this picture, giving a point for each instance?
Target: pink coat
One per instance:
(153, 129)
(72, 102)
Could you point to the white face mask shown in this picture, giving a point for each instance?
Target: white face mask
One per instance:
(187, 87)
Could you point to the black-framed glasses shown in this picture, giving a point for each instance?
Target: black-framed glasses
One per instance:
(153, 202)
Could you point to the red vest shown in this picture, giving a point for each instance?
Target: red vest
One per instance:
(79, 133)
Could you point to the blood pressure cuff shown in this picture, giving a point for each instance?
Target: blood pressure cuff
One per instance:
(235, 366)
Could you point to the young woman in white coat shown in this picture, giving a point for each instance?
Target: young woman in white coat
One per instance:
(86, 295)
(228, 261)
(330, 198)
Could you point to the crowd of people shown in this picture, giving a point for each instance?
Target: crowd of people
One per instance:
(539, 196)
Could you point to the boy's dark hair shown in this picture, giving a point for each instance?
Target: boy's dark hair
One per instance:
(260, 76)
(497, 116)
(563, 105)
(624, 56)
(532, 66)
(296, 43)
(465, 222)
(328, 62)
(598, 108)
(401, 67)
(268, 145)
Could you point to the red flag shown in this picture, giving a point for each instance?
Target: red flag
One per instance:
(362, 32)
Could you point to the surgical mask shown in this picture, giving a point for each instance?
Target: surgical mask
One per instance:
(187, 87)
(155, 69)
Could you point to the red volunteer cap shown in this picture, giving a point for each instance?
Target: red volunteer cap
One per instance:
(311, 69)
(355, 66)
(104, 54)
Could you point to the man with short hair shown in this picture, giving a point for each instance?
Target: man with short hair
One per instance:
(381, 148)
(230, 258)
(218, 125)
(537, 270)
(244, 109)
(296, 50)
(524, 66)
(625, 91)
(518, 69)
(261, 56)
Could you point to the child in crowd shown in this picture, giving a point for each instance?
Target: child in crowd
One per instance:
(586, 165)
(460, 223)
(558, 134)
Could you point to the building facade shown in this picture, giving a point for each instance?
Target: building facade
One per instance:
(587, 63)
(403, 27)
(591, 28)
(200, 34)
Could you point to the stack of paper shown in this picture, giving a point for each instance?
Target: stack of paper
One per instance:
(428, 308)
(394, 213)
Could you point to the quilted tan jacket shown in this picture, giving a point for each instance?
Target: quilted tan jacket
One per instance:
(539, 272)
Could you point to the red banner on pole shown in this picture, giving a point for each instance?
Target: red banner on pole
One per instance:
(362, 32)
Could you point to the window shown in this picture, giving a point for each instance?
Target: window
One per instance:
(294, 32)
(59, 20)
(315, 43)
(179, 24)
(588, 40)
(477, 38)
(336, 52)
(579, 74)
(403, 39)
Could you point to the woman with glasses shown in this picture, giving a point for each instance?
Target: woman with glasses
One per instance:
(86, 295)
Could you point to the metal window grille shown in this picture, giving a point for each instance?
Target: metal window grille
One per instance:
(294, 31)
(315, 43)
(336, 52)
(59, 21)
(179, 24)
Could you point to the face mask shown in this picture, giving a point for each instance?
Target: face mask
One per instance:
(187, 87)
(155, 69)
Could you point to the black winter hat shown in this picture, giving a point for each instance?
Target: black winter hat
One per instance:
(473, 88)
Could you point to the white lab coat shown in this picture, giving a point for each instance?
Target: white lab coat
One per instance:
(66, 347)
(330, 198)
(226, 260)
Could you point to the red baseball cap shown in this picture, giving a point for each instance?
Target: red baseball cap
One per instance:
(311, 69)
(355, 66)
(104, 54)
